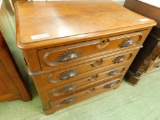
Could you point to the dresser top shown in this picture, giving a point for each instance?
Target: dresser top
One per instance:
(41, 24)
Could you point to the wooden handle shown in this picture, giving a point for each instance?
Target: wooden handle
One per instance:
(97, 63)
(91, 90)
(93, 78)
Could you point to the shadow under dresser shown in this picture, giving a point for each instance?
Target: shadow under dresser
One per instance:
(76, 50)
(148, 58)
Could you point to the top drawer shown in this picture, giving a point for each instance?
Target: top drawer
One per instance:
(79, 52)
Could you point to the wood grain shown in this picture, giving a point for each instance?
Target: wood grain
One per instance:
(67, 17)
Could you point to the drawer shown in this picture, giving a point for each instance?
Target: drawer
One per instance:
(154, 66)
(51, 84)
(82, 95)
(78, 72)
(85, 82)
(73, 54)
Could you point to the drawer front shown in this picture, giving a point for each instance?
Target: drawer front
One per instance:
(64, 55)
(92, 91)
(154, 66)
(85, 82)
(51, 84)
(78, 72)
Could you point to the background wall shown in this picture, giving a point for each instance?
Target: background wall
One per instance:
(121, 2)
(7, 27)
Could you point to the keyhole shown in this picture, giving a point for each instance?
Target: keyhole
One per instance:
(103, 42)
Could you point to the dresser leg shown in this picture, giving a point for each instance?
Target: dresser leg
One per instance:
(42, 91)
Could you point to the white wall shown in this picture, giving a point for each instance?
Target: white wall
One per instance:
(121, 2)
(152, 2)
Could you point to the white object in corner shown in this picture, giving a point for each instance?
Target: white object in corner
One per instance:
(0, 3)
(155, 3)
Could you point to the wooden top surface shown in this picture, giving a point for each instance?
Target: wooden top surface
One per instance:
(61, 22)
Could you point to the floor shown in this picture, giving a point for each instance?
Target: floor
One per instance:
(140, 102)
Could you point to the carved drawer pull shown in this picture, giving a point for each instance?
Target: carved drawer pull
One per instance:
(127, 42)
(112, 73)
(68, 55)
(68, 74)
(157, 65)
(93, 78)
(64, 57)
(91, 90)
(69, 100)
(110, 84)
(97, 63)
(63, 90)
(67, 89)
(119, 59)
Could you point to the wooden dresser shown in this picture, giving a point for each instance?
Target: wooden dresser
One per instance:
(76, 50)
(11, 83)
(148, 58)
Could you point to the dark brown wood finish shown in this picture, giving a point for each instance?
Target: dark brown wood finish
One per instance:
(76, 50)
(146, 60)
(11, 83)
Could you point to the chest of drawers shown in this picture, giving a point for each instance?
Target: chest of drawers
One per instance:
(76, 50)
(148, 58)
